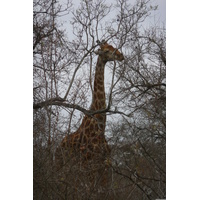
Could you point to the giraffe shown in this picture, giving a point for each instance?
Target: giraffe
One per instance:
(88, 143)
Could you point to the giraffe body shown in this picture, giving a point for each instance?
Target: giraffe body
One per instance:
(89, 142)
(88, 145)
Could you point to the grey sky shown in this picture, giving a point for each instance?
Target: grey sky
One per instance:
(161, 13)
(157, 17)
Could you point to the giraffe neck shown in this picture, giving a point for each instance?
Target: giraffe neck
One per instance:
(98, 98)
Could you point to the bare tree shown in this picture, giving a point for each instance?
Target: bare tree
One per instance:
(63, 74)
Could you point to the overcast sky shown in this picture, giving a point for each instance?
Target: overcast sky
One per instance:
(157, 17)
(160, 14)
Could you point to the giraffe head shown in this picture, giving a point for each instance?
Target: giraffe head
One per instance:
(108, 52)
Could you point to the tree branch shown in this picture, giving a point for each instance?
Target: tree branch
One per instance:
(57, 101)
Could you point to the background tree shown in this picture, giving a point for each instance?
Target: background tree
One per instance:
(64, 63)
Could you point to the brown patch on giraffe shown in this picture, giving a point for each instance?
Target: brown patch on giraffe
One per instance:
(99, 117)
(87, 123)
(96, 105)
(84, 140)
(96, 127)
(100, 95)
(91, 127)
(100, 79)
(101, 127)
(94, 140)
(95, 95)
(102, 105)
(87, 130)
(95, 82)
(101, 87)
